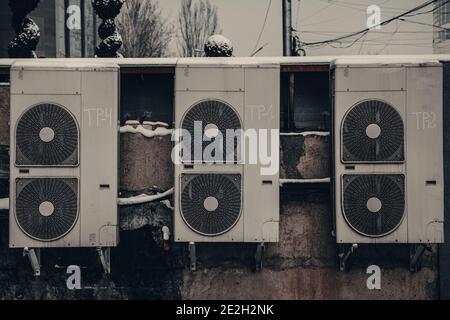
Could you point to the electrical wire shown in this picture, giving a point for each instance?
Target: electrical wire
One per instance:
(429, 11)
(364, 31)
(329, 4)
(358, 10)
(262, 28)
(297, 14)
(392, 37)
(424, 24)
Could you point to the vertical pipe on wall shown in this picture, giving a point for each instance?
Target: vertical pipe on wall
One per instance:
(66, 30)
(83, 27)
(287, 27)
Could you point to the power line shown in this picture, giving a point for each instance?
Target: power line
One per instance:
(429, 11)
(297, 14)
(358, 10)
(329, 4)
(328, 32)
(424, 24)
(262, 28)
(364, 31)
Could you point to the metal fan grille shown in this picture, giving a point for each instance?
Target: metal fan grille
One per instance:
(225, 192)
(222, 117)
(46, 209)
(373, 131)
(388, 194)
(47, 135)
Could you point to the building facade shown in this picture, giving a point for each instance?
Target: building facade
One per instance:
(68, 28)
(441, 41)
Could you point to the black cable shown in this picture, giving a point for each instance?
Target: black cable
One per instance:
(263, 27)
(426, 4)
(424, 24)
(429, 11)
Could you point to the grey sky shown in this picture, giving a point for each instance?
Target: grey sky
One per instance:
(318, 20)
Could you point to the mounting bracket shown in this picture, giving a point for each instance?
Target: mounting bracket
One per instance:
(415, 256)
(105, 259)
(34, 255)
(260, 248)
(192, 257)
(345, 252)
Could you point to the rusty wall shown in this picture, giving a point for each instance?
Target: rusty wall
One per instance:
(303, 265)
(4, 115)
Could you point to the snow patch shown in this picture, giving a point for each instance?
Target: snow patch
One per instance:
(132, 123)
(4, 204)
(306, 133)
(158, 132)
(144, 198)
(167, 204)
(304, 181)
(219, 41)
(157, 123)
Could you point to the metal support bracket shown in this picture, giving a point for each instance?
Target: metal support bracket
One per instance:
(105, 259)
(345, 253)
(415, 256)
(192, 257)
(34, 255)
(260, 248)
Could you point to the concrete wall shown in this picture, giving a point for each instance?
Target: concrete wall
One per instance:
(302, 266)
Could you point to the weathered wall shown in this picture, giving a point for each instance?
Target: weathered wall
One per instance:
(4, 115)
(152, 155)
(302, 266)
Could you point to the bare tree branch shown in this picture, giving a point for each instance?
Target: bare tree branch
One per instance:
(144, 31)
(197, 21)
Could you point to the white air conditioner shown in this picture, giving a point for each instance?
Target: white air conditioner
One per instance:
(388, 152)
(229, 201)
(64, 154)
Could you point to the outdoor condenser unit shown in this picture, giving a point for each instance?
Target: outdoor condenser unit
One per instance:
(229, 201)
(64, 154)
(388, 152)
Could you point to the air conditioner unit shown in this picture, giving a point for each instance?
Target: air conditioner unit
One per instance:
(64, 154)
(228, 201)
(388, 152)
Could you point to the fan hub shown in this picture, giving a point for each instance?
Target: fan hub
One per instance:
(374, 205)
(373, 131)
(47, 134)
(211, 204)
(46, 208)
(211, 131)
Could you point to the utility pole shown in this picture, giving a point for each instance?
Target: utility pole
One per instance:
(287, 27)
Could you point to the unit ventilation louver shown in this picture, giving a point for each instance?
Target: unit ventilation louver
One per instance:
(47, 135)
(215, 116)
(46, 209)
(373, 131)
(374, 205)
(211, 203)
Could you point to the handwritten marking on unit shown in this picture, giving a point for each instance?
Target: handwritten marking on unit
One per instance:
(425, 120)
(99, 117)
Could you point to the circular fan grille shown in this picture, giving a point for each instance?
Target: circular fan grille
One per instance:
(211, 203)
(218, 115)
(47, 135)
(373, 131)
(46, 209)
(374, 205)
